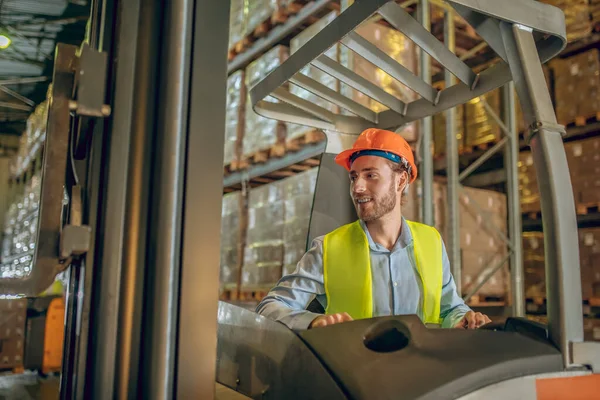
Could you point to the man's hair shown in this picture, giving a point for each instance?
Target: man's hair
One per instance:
(398, 169)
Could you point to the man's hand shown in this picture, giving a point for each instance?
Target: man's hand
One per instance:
(473, 320)
(324, 320)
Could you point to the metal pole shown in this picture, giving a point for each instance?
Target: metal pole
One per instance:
(511, 158)
(453, 219)
(561, 247)
(426, 168)
(165, 230)
(200, 257)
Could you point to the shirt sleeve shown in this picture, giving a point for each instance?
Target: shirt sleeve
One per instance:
(288, 300)
(452, 307)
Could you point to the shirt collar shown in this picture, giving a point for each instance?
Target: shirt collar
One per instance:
(405, 239)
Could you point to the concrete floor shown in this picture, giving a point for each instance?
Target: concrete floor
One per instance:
(28, 386)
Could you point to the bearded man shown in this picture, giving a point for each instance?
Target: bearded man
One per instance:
(381, 264)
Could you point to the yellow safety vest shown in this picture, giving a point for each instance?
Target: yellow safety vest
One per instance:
(347, 270)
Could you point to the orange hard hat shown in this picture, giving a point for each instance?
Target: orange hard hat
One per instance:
(380, 143)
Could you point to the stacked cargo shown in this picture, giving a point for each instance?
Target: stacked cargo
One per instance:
(584, 166)
(230, 240)
(528, 187)
(263, 254)
(13, 313)
(299, 193)
(234, 122)
(577, 17)
(31, 140)
(583, 158)
(589, 257)
(595, 12)
(482, 216)
(316, 74)
(20, 232)
(480, 126)
(439, 131)
(258, 12)
(237, 22)
(576, 87)
(261, 133)
(533, 264)
(483, 222)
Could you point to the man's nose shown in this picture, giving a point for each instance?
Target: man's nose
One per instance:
(358, 186)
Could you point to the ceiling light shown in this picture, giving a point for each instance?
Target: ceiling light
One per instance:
(4, 41)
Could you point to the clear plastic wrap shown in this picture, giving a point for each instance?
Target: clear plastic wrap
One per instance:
(299, 197)
(237, 21)
(230, 235)
(439, 131)
(263, 254)
(258, 11)
(20, 232)
(235, 84)
(259, 132)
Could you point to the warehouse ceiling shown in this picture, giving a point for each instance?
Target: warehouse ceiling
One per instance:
(33, 27)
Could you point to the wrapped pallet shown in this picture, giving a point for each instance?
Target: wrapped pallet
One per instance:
(577, 17)
(263, 254)
(234, 123)
(576, 87)
(230, 240)
(314, 73)
(439, 131)
(261, 133)
(258, 11)
(299, 195)
(480, 127)
(583, 157)
(237, 21)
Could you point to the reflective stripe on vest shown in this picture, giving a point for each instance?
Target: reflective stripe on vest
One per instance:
(347, 270)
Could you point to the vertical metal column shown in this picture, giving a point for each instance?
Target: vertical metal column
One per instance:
(453, 221)
(164, 249)
(426, 168)
(110, 257)
(203, 185)
(561, 247)
(511, 159)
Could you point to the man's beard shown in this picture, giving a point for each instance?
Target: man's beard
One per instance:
(377, 208)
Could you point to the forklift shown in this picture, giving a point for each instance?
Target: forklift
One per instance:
(135, 138)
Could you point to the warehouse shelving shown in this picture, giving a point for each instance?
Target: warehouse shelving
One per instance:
(281, 33)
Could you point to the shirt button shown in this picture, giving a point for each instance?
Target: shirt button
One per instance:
(395, 283)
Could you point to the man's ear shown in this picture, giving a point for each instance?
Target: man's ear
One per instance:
(403, 181)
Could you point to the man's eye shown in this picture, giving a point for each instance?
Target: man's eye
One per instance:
(371, 176)
(352, 178)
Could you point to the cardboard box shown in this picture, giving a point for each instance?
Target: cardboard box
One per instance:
(234, 116)
(476, 265)
(11, 353)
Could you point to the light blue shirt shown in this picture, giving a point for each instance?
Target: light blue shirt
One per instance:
(397, 289)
